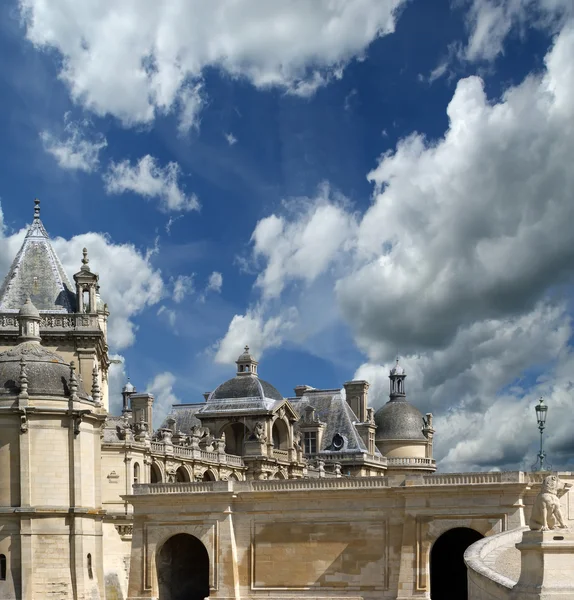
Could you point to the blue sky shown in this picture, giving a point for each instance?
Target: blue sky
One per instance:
(332, 183)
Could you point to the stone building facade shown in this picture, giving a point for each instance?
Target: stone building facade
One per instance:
(244, 494)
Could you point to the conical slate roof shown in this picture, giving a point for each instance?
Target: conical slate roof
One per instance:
(37, 273)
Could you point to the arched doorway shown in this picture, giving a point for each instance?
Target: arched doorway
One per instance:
(235, 434)
(183, 569)
(447, 568)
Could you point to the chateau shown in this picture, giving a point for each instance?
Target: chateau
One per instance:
(242, 494)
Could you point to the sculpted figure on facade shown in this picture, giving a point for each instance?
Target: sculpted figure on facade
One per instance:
(259, 432)
(546, 512)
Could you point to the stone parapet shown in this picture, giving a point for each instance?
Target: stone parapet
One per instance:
(546, 565)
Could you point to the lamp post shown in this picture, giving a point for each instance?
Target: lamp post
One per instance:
(541, 410)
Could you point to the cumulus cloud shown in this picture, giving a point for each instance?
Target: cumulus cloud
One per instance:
(182, 287)
(231, 139)
(215, 282)
(302, 244)
(159, 50)
(161, 387)
(457, 265)
(254, 329)
(129, 283)
(76, 149)
(150, 180)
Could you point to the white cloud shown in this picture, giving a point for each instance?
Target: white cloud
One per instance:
(191, 101)
(75, 150)
(231, 139)
(170, 315)
(455, 265)
(491, 21)
(134, 60)
(150, 180)
(162, 388)
(182, 287)
(302, 245)
(255, 330)
(129, 283)
(215, 282)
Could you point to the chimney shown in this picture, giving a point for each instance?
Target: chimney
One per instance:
(301, 390)
(356, 393)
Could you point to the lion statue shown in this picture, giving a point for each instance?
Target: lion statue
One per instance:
(546, 512)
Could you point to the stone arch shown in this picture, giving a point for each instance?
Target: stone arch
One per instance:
(182, 475)
(182, 565)
(156, 476)
(209, 475)
(448, 578)
(280, 435)
(235, 436)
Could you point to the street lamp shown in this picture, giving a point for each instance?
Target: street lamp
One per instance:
(541, 410)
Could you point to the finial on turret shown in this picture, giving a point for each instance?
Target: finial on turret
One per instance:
(23, 395)
(96, 392)
(85, 260)
(36, 208)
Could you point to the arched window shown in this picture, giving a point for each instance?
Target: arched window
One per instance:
(90, 571)
(86, 300)
(2, 567)
(136, 472)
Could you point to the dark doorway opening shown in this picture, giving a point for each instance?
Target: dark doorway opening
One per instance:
(183, 569)
(447, 568)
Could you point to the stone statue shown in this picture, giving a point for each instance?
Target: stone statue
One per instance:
(546, 512)
(259, 432)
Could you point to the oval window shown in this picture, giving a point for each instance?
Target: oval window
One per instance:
(338, 441)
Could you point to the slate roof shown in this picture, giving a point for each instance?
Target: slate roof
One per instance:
(245, 386)
(37, 273)
(184, 416)
(47, 372)
(332, 409)
(399, 420)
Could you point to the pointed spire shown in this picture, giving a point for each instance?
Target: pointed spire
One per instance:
(23, 395)
(73, 381)
(37, 272)
(96, 393)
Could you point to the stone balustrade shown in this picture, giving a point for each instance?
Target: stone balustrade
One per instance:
(411, 462)
(54, 321)
(198, 454)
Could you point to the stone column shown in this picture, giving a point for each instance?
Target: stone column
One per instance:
(546, 566)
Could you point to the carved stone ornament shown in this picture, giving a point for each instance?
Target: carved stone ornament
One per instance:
(259, 432)
(546, 512)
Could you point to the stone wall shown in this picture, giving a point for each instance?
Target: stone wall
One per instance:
(329, 538)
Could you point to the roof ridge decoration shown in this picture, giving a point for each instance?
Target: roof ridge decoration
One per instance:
(38, 273)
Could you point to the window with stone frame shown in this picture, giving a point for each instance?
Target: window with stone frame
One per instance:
(136, 472)
(371, 442)
(310, 441)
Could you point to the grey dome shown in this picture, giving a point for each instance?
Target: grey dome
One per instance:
(29, 310)
(245, 386)
(399, 420)
(48, 373)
